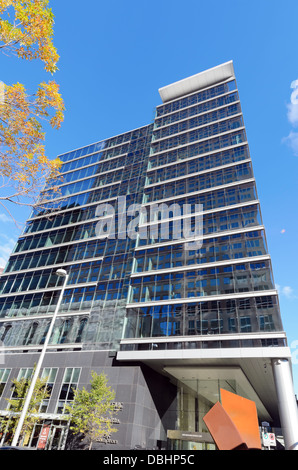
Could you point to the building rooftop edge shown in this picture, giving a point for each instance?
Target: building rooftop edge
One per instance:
(196, 82)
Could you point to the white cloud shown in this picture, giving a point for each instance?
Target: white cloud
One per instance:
(5, 218)
(286, 291)
(292, 141)
(293, 114)
(6, 246)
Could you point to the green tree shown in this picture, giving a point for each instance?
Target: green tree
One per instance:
(92, 412)
(16, 403)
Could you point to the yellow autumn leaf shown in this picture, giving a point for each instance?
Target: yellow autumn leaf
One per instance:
(28, 33)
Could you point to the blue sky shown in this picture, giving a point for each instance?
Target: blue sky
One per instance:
(115, 56)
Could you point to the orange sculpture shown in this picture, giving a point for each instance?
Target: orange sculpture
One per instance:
(233, 423)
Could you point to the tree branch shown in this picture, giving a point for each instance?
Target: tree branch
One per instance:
(18, 225)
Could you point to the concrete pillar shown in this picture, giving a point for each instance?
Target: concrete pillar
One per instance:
(286, 402)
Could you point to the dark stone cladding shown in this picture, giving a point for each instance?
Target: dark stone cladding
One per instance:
(146, 398)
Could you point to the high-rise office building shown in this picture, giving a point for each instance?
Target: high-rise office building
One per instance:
(170, 289)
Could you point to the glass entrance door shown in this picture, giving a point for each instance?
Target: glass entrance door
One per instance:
(180, 444)
(56, 439)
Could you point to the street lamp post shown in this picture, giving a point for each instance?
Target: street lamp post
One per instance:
(61, 273)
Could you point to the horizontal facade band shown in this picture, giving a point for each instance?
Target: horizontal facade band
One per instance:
(94, 152)
(50, 289)
(215, 136)
(220, 209)
(202, 191)
(208, 124)
(198, 173)
(214, 235)
(203, 212)
(68, 209)
(251, 259)
(172, 219)
(195, 157)
(23, 318)
(78, 193)
(56, 246)
(51, 347)
(73, 224)
(52, 266)
(206, 298)
(177, 111)
(197, 354)
(204, 237)
(212, 337)
(102, 160)
(100, 142)
(114, 198)
(86, 178)
(44, 416)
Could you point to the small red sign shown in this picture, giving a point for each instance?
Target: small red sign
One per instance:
(43, 437)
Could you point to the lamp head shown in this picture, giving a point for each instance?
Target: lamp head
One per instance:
(61, 272)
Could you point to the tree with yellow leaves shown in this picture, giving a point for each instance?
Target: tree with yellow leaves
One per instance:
(26, 30)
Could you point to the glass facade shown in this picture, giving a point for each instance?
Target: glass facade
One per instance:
(161, 233)
(141, 286)
(63, 233)
(225, 286)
